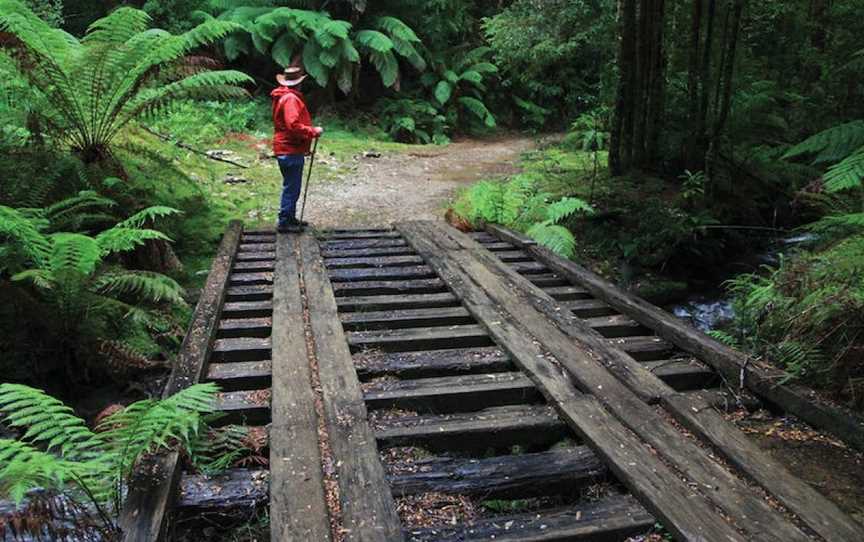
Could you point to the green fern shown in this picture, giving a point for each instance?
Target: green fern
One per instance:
(846, 174)
(831, 145)
(724, 338)
(556, 238)
(88, 89)
(58, 453)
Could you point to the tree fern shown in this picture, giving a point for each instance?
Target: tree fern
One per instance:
(88, 89)
(831, 145)
(846, 174)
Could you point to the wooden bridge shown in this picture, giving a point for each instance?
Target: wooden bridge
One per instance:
(522, 375)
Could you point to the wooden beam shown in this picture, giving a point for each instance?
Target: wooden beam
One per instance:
(153, 487)
(298, 507)
(368, 510)
(488, 288)
(758, 377)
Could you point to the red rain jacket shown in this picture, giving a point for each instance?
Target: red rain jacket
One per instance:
(292, 124)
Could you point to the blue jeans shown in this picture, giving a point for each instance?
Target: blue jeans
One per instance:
(291, 166)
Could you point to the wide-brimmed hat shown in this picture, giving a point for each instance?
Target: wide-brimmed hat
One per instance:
(292, 76)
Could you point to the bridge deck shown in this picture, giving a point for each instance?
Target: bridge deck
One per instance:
(385, 370)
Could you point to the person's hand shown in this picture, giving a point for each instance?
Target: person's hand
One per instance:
(318, 131)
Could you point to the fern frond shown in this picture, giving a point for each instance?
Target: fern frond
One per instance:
(24, 468)
(556, 238)
(148, 215)
(24, 236)
(75, 253)
(150, 425)
(478, 109)
(47, 421)
(566, 207)
(724, 338)
(846, 174)
(831, 145)
(144, 285)
(120, 239)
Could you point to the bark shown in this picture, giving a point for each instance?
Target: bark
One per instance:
(619, 160)
(693, 154)
(656, 89)
(724, 101)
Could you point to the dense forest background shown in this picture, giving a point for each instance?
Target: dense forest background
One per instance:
(685, 135)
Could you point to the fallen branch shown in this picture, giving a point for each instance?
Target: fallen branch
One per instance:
(190, 148)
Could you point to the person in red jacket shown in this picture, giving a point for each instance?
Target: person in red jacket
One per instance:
(293, 133)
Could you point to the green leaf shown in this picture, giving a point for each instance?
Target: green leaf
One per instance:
(443, 91)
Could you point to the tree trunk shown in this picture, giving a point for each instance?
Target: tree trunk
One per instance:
(657, 84)
(621, 136)
(724, 100)
(693, 152)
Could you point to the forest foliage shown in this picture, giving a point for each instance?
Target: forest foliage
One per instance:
(683, 128)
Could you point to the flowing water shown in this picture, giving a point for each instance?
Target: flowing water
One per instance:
(710, 310)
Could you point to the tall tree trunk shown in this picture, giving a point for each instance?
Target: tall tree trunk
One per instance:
(621, 138)
(657, 84)
(693, 153)
(702, 120)
(724, 102)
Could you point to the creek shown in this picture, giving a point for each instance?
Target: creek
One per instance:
(711, 307)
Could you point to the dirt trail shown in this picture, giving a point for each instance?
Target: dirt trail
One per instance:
(412, 185)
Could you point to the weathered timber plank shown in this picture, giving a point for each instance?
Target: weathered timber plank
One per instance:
(243, 407)
(359, 234)
(510, 236)
(646, 348)
(368, 510)
(566, 293)
(259, 265)
(547, 280)
(617, 325)
(389, 287)
(348, 244)
(432, 363)
(393, 302)
(256, 247)
(256, 256)
(241, 349)
(380, 273)
(232, 489)
(529, 268)
(425, 338)
(152, 489)
(244, 327)
(730, 493)
(514, 256)
(559, 472)
(375, 261)
(298, 507)
(476, 432)
(247, 309)
(683, 375)
(759, 377)
(241, 375)
(453, 393)
(659, 487)
(588, 308)
(611, 519)
(819, 513)
(249, 279)
(403, 250)
(445, 316)
(259, 292)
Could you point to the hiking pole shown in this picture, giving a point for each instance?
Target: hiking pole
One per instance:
(308, 177)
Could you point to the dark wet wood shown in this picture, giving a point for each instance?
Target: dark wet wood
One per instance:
(247, 309)
(610, 520)
(645, 348)
(261, 265)
(475, 432)
(353, 244)
(732, 364)
(423, 338)
(374, 261)
(368, 510)
(484, 283)
(683, 375)
(260, 292)
(563, 471)
(589, 308)
(389, 287)
(394, 302)
(233, 489)
(444, 316)
(241, 349)
(249, 279)
(152, 489)
(298, 506)
(402, 250)
(565, 293)
(244, 327)
(243, 407)
(243, 375)
(446, 394)
(432, 363)
(380, 273)
(616, 325)
(256, 256)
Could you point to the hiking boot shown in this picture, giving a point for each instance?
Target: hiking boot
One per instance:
(289, 227)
